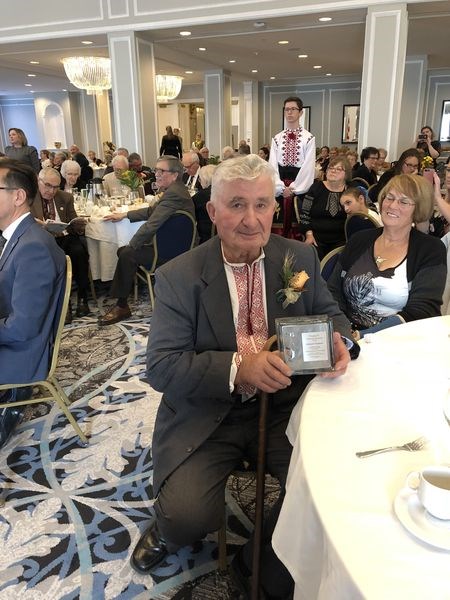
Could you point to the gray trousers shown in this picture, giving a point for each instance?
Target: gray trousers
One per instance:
(190, 503)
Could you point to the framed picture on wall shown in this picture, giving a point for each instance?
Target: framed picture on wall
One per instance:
(350, 123)
(444, 135)
(305, 118)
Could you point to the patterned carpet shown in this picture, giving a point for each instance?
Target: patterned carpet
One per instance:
(73, 514)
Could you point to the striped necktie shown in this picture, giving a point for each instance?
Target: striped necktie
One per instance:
(2, 243)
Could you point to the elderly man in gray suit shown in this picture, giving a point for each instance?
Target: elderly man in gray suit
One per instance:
(139, 251)
(215, 308)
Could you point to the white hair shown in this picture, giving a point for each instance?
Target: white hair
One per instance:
(205, 174)
(70, 165)
(120, 161)
(246, 167)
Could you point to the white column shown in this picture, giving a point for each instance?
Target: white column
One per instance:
(217, 87)
(250, 111)
(133, 92)
(104, 121)
(382, 77)
(413, 99)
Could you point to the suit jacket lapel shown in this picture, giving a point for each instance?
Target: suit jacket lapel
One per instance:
(20, 229)
(273, 264)
(216, 296)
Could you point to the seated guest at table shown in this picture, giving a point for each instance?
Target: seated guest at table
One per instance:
(382, 165)
(354, 201)
(58, 159)
(111, 181)
(215, 308)
(135, 164)
(204, 156)
(191, 166)
(32, 279)
(70, 176)
(56, 205)
(321, 216)
(393, 274)
(264, 153)
(74, 149)
(86, 172)
(139, 251)
(117, 152)
(407, 164)
(227, 152)
(352, 158)
(200, 200)
(366, 170)
(93, 159)
(44, 156)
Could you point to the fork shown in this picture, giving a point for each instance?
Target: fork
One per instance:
(414, 446)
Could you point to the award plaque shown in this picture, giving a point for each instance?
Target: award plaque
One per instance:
(306, 343)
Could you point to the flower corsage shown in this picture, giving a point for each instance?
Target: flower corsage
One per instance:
(294, 282)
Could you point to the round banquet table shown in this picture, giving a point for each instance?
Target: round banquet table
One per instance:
(338, 533)
(104, 238)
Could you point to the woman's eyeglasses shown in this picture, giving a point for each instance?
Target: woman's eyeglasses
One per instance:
(403, 201)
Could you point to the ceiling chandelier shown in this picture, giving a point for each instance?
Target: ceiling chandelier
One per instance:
(167, 87)
(90, 73)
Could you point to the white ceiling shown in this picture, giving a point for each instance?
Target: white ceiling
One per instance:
(336, 45)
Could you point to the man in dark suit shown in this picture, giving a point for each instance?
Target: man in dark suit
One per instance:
(191, 164)
(54, 204)
(139, 251)
(216, 306)
(32, 277)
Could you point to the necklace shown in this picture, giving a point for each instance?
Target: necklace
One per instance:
(379, 260)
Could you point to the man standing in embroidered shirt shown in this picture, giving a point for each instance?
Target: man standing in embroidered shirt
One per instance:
(293, 153)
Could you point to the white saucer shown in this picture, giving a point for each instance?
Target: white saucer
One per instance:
(413, 516)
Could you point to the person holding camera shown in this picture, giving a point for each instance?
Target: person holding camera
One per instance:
(427, 144)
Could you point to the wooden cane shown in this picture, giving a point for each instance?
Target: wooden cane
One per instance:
(260, 480)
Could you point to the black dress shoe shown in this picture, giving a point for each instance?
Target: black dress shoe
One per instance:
(150, 550)
(82, 309)
(10, 417)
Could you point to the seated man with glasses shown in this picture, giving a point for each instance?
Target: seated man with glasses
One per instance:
(53, 204)
(293, 152)
(191, 164)
(139, 251)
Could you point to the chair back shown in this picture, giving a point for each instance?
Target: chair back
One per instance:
(60, 318)
(360, 181)
(329, 261)
(175, 236)
(358, 222)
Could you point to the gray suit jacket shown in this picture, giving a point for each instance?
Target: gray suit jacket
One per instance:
(192, 340)
(176, 197)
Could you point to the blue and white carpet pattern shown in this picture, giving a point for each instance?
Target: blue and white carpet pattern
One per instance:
(73, 514)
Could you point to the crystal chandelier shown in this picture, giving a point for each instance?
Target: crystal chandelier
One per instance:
(90, 73)
(167, 87)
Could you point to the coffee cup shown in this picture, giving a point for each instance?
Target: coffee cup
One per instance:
(433, 489)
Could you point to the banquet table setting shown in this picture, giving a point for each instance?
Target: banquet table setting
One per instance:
(354, 526)
(104, 238)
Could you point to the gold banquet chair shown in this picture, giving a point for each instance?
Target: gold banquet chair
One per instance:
(175, 236)
(50, 383)
(329, 261)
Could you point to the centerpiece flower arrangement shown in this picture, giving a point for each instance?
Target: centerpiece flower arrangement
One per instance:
(294, 282)
(131, 179)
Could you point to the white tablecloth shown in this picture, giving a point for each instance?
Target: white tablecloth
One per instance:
(337, 532)
(103, 240)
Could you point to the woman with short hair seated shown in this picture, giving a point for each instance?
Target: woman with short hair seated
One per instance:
(70, 176)
(393, 274)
